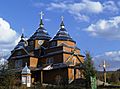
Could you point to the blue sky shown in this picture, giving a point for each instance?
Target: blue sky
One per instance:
(93, 24)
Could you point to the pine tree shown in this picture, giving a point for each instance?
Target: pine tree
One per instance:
(88, 68)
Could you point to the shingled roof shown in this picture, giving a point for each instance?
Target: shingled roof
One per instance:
(21, 43)
(62, 34)
(41, 33)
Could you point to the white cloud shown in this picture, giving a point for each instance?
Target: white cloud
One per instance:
(94, 7)
(112, 58)
(81, 10)
(90, 6)
(106, 28)
(76, 9)
(111, 55)
(57, 6)
(8, 37)
(110, 6)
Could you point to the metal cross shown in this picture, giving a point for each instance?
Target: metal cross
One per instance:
(41, 15)
(23, 30)
(62, 17)
(104, 65)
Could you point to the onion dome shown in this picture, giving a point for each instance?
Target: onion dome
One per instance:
(41, 33)
(22, 42)
(26, 70)
(62, 34)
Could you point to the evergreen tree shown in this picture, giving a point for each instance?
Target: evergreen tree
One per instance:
(88, 68)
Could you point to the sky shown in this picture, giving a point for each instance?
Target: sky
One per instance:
(93, 24)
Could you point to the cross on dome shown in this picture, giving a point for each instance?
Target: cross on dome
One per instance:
(22, 36)
(23, 30)
(41, 15)
(62, 18)
(62, 23)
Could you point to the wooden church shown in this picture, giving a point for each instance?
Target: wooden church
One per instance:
(51, 60)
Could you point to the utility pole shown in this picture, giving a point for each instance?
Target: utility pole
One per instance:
(104, 65)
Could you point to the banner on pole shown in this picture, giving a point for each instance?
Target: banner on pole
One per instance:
(93, 82)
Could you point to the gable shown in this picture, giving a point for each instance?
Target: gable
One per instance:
(19, 52)
(68, 43)
(73, 59)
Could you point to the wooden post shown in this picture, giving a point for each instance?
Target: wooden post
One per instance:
(105, 77)
(41, 77)
(104, 65)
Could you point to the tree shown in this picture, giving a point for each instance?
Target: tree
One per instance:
(89, 69)
(114, 77)
(7, 77)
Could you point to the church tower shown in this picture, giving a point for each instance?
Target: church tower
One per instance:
(62, 54)
(22, 43)
(40, 37)
(62, 36)
(18, 53)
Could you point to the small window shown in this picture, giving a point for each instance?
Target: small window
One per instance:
(49, 61)
(23, 79)
(53, 43)
(74, 61)
(73, 71)
(79, 74)
(18, 63)
(31, 43)
(19, 53)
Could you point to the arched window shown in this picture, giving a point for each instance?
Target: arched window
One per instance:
(74, 60)
(49, 60)
(58, 79)
(18, 63)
